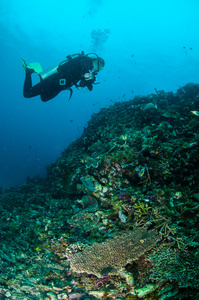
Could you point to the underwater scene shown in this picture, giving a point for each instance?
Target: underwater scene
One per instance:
(99, 152)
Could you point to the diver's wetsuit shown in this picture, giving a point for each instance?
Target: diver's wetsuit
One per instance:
(68, 73)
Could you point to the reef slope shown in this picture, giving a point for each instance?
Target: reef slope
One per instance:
(117, 215)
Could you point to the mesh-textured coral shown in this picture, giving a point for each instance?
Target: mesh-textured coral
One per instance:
(110, 256)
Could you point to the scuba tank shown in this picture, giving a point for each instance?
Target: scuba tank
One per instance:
(59, 68)
(49, 72)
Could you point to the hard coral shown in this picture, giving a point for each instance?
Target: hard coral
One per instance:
(112, 255)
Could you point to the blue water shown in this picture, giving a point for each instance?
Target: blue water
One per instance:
(146, 45)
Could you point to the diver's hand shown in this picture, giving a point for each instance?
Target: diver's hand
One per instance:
(89, 76)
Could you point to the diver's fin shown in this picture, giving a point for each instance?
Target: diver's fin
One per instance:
(25, 65)
(71, 93)
(34, 67)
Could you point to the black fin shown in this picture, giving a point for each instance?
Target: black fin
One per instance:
(71, 93)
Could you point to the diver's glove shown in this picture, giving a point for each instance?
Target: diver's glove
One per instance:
(89, 76)
(88, 83)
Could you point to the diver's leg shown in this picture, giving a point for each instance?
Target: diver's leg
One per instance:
(30, 91)
(46, 96)
(50, 87)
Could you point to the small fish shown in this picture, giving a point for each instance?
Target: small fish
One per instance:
(141, 172)
(195, 112)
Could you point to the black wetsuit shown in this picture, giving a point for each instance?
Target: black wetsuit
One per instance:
(68, 73)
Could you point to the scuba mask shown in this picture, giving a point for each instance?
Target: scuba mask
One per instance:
(100, 61)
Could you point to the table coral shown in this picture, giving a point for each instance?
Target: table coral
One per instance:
(112, 255)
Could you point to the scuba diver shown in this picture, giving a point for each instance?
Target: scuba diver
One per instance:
(78, 69)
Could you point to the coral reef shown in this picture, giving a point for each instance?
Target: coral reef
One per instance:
(88, 230)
